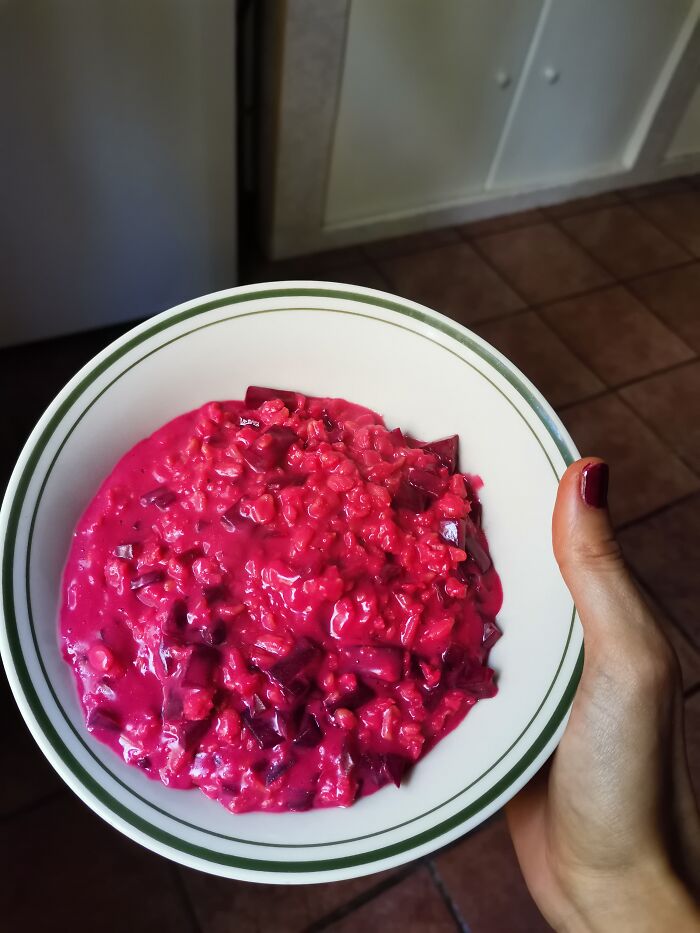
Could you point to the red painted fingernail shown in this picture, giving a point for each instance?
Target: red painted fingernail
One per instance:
(594, 485)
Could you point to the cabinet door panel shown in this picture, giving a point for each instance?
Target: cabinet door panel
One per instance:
(425, 91)
(590, 76)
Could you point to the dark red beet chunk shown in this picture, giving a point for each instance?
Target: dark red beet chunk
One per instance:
(384, 663)
(269, 449)
(380, 769)
(101, 718)
(429, 483)
(409, 497)
(161, 497)
(276, 769)
(490, 635)
(476, 551)
(262, 731)
(352, 699)
(256, 395)
(446, 450)
(201, 667)
(287, 671)
(147, 579)
(309, 734)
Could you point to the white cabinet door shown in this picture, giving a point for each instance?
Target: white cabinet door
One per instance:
(426, 88)
(591, 72)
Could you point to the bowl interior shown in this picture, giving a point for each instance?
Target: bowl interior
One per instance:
(423, 375)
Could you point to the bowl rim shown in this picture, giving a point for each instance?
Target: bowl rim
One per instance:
(49, 739)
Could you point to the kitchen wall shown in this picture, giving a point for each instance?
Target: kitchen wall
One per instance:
(391, 116)
(117, 172)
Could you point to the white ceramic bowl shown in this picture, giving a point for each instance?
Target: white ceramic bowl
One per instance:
(423, 373)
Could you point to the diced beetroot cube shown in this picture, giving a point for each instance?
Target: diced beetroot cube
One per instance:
(396, 766)
(384, 663)
(300, 799)
(329, 423)
(409, 497)
(269, 449)
(446, 450)
(352, 699)
(262, 731)
(309, 734)
(490, 635)
(147, 579)
(248, 421)
(175, 621)
(479, 682)
(161, 497)
(232, 520)
(125, 551)
(288, 672)
(172, 705)
(102, 718)
(425, 481)
(190, 733)
(276, 769)
(398, 435)
(454, 531)
(380, 769)
(201, 667)
(477, 552)
(256, 395)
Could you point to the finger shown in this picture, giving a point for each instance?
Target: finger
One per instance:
(590, 559)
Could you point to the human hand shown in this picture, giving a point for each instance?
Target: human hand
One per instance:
(608, 834)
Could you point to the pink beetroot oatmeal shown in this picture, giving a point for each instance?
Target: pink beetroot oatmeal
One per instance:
(281, 602)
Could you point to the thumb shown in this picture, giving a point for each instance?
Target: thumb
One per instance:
(590, 559)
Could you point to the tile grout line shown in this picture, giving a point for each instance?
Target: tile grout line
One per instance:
(185, 900)
(644, 587)
(609, 390)
(503, 279)
(672, 447)
(669, 236)
(681, 500)
(454, 911)
(360, 900)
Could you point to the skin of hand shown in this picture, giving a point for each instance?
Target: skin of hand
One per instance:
(608, 833)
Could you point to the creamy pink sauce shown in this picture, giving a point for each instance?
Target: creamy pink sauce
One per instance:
(281, 602)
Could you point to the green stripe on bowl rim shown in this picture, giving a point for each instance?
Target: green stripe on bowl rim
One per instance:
(43, 723)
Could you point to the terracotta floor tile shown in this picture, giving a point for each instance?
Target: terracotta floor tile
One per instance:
(692, 739)
(413, 906)
(667, 186)
(664, 551)
(674, 295)
(411, 243)
(580, 205)
(30, 777)
(670, 403)
(623, 241)
(542, 356)
(542, 263)
(688, 654)
(452, 279)
(257, 908)
(483, 879)
(502, 223)
(614, 334)
(644, 473)
(65, 869)
(678, 215)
